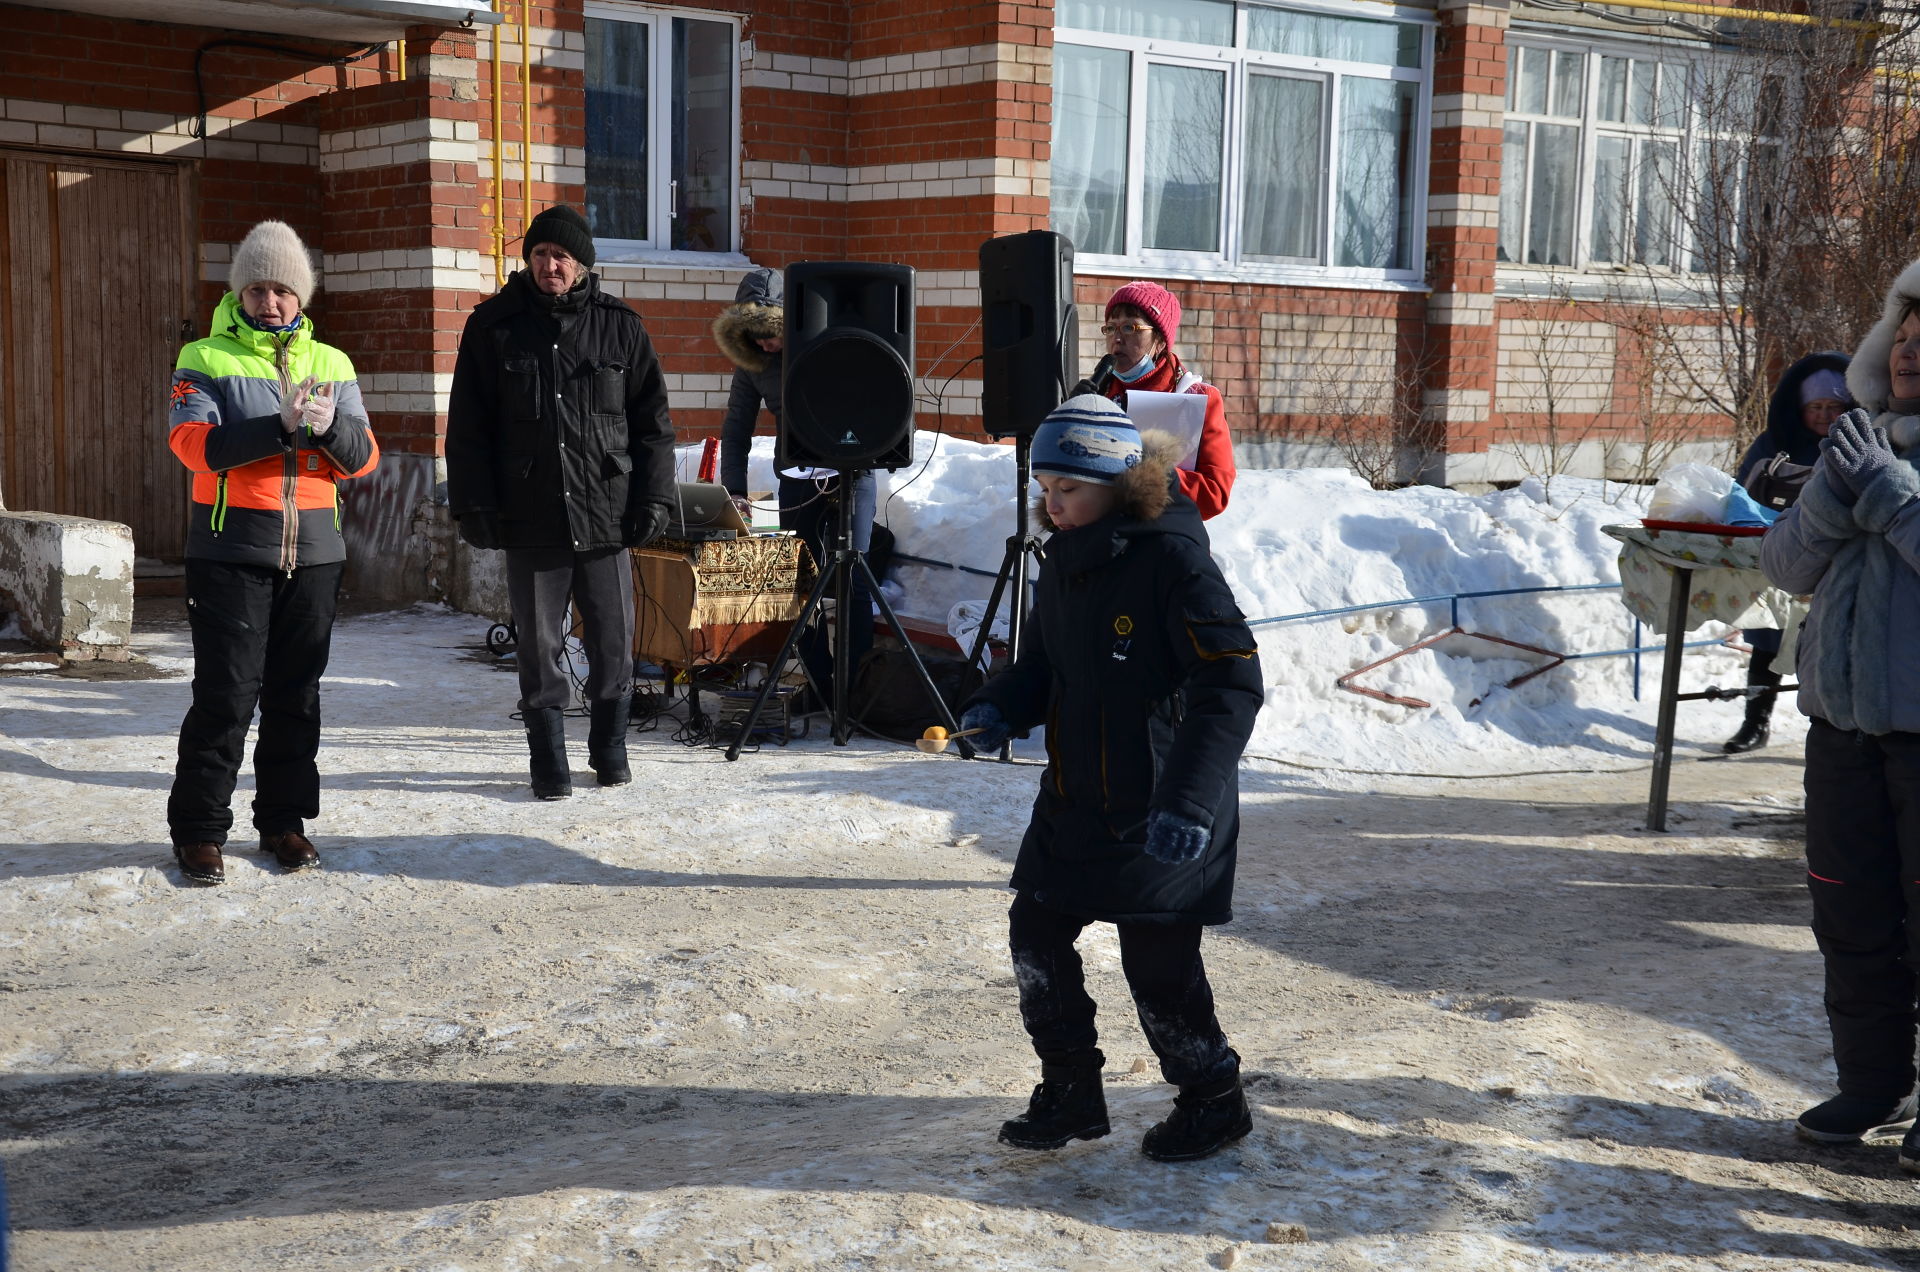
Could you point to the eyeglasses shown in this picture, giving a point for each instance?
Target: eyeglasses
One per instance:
(1134, 328)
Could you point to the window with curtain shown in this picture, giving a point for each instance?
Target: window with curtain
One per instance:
(1196, 131)
(662, 110)
(1606, 152)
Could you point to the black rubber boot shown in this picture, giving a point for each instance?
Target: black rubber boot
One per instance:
(547, 753)
(1205, 1119)
(607, 741)
(1756, 728)
(1069, 1104)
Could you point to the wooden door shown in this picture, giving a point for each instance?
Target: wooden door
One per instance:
(96, 276)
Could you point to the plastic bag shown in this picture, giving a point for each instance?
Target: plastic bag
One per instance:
(1690, 492)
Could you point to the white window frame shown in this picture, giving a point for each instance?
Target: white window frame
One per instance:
(1688, 136)
(660, 175)
(1239, 62)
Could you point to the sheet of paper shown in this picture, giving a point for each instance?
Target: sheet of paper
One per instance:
(1181, 414)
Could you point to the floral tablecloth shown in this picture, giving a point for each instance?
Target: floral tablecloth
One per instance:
(1727, 585)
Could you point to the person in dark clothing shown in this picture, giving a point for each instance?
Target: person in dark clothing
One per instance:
(752, 333)
(1143, 670)
(1810, 396)
(560, 452)
(269, 420)
(1851, 541)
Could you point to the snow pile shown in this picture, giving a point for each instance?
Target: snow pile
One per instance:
(1296, 541)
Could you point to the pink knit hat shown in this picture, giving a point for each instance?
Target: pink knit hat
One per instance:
(1160, 306)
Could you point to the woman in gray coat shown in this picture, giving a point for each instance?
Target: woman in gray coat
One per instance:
(1853, 542)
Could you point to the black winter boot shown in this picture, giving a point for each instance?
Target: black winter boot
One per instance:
(1069, 1104)
(1205, 1119)
(547, 752)
(1756, 728)
(607, 741)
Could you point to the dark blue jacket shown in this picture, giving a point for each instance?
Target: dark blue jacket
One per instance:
(1142, 668)
(1784, 431)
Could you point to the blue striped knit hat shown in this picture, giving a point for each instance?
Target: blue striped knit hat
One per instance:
(1088, 438)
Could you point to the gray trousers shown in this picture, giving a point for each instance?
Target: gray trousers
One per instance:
(540, 582)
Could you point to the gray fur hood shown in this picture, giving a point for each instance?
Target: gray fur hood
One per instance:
(757, 313)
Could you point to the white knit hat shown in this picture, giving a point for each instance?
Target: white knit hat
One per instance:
(272, 253)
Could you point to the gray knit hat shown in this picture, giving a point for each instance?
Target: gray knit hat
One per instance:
(272, 253)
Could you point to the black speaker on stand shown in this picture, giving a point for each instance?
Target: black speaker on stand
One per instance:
(846, 389)
(1030, 332)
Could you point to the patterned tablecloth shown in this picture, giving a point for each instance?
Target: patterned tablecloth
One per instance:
(715, 600)
(1727, 585)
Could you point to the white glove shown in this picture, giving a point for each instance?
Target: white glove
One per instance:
(290, 403)
(317, 411)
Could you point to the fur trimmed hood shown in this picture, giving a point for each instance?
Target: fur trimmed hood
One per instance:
(757, 313)
(1146, 489)
(1867, 376)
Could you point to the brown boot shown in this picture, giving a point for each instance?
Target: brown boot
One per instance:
(293, 850)
(201, 862)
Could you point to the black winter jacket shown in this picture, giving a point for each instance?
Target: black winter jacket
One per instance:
(558, 419)
(755, 314)
(1785, 431)
(1142, 668)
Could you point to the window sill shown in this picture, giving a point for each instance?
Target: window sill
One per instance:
(1258, 274)
(1536, 283)
(631, 262)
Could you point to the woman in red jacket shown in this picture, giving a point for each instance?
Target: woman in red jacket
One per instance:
(1143, 319)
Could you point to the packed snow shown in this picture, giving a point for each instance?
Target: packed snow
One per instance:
(759, 1015)
(1298, 541)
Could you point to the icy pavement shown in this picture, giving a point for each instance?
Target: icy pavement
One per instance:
(759, 1015)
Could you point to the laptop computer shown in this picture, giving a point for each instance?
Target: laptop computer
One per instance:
(704, 511)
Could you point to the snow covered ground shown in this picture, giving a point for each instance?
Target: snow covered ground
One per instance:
(759, 1016)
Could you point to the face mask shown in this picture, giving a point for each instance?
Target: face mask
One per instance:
(1141, 368)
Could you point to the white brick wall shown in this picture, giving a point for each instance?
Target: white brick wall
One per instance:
(1545, 366)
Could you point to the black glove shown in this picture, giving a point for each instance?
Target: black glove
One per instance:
(638, 529)
(1082, 389)
(992, 725)
(481, 529)
(1174, 839)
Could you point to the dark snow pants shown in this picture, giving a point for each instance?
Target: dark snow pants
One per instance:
(261, 637)
(1164, 972)
(540, 583)
(1863, 870)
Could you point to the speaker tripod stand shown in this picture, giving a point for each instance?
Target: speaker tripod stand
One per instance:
(1021, 545)
(837, 572)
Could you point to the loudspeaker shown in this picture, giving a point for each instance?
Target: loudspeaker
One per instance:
(846, 382)
(1031, 329)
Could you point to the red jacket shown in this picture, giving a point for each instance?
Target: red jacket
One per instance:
(1209, 483)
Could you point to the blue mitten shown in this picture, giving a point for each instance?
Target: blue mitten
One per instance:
(1857, 450)
(992, 725)
(1173, 839)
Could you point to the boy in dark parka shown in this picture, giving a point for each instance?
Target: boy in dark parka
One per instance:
(1144, 672)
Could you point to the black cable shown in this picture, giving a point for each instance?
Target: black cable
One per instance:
(307, 55)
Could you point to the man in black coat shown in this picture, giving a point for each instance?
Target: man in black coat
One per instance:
(560, 451)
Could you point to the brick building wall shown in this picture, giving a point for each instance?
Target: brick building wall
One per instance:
(893, 130)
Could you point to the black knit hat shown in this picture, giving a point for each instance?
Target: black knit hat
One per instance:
(563, 227)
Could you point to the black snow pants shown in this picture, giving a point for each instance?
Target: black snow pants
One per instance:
(540, 582)
(1863, 870)
(261, 637)
(1164, 972)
